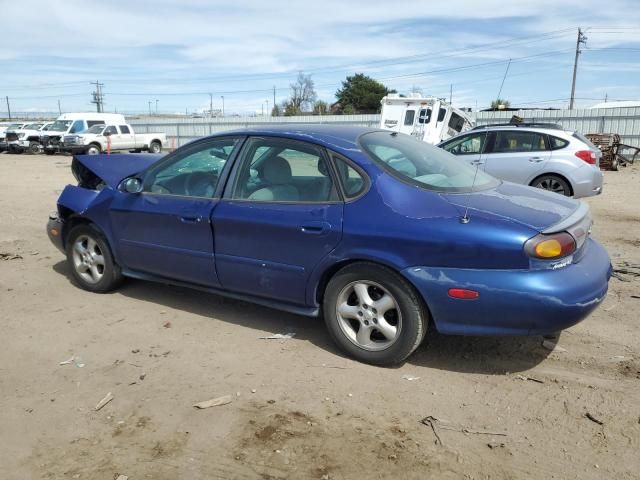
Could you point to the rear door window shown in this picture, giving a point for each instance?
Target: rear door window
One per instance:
(518, 141)
(124, 129)
(557, 143)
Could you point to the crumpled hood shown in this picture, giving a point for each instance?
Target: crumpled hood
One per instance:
(533, 207)
(114, 168)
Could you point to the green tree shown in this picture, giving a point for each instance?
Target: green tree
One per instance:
(289, 109)
(500, 103)
(362, 93)
(320, 108)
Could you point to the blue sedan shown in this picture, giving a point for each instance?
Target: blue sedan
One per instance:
(381, 234)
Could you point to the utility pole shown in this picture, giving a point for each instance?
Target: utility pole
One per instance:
(274, 95)
(582, 39)
(98, 98)
(156, 106)
(451, 94)
(59, 108)
(268, 112)
(262, 109)
(222, 97)
(8, 107)
(149, 107)
(211, 105)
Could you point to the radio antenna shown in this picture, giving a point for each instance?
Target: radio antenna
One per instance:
(464, 219)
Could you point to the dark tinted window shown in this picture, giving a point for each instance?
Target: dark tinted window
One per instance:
(471, 144)
(282, 170)
(110, 130)
(91, 123)
(518, 141)
(456, 122)
(353, 183)
(441, 114)
(425, 115)
(409, 117)
(124, 129)
(557, 143)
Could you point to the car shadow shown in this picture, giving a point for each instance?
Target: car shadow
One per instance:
(486, 355)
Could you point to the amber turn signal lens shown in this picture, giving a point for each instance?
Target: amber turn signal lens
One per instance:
(552, 246)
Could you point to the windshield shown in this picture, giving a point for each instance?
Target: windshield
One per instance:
(97, 129)
(422, 164)
(14, 126)
(60, 125)
(33, 126)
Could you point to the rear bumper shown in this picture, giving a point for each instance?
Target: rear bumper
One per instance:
(588, 183)
(515, 302)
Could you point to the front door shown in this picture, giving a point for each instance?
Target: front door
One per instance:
(516, 155)
(166, 229)
(279, 217)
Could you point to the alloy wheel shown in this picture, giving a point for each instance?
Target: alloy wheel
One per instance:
(88, 259)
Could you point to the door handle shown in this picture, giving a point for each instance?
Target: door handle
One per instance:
(477, 162)
(315, 228)
(186, 219)
(536, 159)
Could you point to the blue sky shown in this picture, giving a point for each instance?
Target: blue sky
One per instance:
(177, 52)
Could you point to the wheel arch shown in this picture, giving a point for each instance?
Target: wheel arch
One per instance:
(331, 270)
(555, 174)
(72, 220)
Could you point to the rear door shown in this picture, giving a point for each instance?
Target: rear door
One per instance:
(279, 217)
(516, 155)
(126, 138)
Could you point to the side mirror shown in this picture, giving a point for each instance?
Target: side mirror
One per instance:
(131, 185)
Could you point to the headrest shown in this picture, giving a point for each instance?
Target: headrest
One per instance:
(277, 171)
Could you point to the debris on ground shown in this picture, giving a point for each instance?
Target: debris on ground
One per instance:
(214, 402)
(167, 324)
(279, 336)
(593, 419)
(107, 398)
(122, 477)
(73, 360)
(435, 424)
(411, 378)
(531, 379)
(493, 445)
(549, 345)
(623, 270)
(10, 256)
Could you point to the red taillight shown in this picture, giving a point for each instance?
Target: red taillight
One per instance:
(587, 156)
(549, 247)
(463, 293)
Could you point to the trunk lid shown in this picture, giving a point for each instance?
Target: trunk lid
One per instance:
(532, 207)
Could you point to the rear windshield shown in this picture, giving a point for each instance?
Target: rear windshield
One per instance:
(423, 165)
(584, 139)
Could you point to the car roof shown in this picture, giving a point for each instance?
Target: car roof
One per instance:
(337, 137)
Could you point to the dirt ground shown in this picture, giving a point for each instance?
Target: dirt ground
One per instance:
(503, 408)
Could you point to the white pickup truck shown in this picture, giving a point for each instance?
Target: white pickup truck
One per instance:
(101, 138)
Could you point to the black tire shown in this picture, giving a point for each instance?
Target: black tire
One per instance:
(110, 276)
(94, 149)
(155, 147)
(34, 148)
(49, 152)
(553, 183)
(413, 316)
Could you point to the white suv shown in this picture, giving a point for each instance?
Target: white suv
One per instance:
(541, 155)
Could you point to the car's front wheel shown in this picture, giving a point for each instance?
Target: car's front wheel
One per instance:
(374, 314)
(90, 260)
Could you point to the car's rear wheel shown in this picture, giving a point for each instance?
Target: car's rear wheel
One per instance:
(90, 260)
(155, 147)
(374, 314)
(553, 183)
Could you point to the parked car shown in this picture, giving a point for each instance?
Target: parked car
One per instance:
(98, 138)
(28, 139)
(541, 155)
(9, 129)
(70, 123)
(380, 233)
